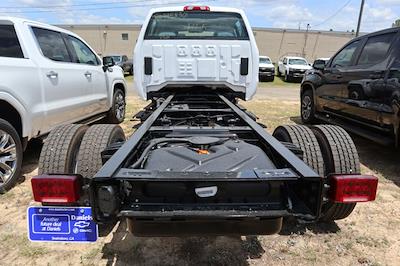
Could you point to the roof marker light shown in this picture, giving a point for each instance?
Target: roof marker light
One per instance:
(196, 8)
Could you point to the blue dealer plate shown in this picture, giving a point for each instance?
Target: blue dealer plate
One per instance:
(61, 224)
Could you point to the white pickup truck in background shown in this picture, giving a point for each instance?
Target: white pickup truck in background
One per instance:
(293, 68)
(49, 77)
(266, 69)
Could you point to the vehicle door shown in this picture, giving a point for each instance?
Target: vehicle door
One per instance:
(64, 85)
(330, 95)
(92, 69)
(125, 65)
(284, 64)
(366, 89)
(392, 90)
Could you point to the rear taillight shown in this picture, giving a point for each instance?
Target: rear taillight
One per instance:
(60, 189)
(353, 188)
(196, 8)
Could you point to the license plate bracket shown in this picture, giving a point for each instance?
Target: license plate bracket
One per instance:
(61, 224)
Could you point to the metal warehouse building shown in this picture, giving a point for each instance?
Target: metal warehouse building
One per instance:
(121, 39)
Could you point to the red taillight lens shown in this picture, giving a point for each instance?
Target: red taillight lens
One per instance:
(56, 188)
(353, 188)
(196, 8)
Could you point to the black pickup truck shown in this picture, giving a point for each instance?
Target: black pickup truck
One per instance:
(358, 88)
(123, 61)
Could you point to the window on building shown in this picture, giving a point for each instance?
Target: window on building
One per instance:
(9, 44)
(125, 36)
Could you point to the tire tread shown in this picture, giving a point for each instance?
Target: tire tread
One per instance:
(96, 139)
(343, 159)
(57, 149)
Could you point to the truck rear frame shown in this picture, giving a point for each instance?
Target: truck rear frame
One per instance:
(243, 214)
(302, 178)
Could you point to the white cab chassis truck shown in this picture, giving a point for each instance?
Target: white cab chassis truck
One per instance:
(180, 49)
(49, 77)
(199, 163)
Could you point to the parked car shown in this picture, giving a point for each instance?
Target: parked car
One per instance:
(123, 61)
(293, 68)
(320, 63)
(359, 88)
(49, 77)
(266, 69)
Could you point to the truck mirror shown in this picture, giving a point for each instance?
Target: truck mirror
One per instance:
(319, 66)
(108, 61)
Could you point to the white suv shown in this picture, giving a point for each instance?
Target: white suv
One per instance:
(293, 67)
(49, 77)
(208, 47)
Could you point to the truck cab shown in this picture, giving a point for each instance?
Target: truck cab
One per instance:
(190, 46)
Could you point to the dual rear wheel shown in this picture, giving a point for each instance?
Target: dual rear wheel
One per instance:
(328, 150)
(76, 149)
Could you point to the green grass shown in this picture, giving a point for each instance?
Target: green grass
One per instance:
(273, 113)
(128, 78)
(279, 82)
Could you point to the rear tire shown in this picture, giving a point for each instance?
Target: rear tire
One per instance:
(60, 150)
(96, 139)
(11, 154)
(303, 138)
(340, 157)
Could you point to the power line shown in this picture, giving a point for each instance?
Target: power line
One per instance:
(103, 8)
(334, 14)
(72, 5)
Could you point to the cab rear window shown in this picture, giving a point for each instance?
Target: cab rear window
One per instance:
(196, 25)
(9, 44)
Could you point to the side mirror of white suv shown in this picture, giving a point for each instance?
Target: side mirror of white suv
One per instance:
(108, 61)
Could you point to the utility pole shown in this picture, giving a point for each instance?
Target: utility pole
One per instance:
(305, 40)
(360, 17)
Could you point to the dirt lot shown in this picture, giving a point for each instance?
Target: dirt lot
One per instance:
(370, 236)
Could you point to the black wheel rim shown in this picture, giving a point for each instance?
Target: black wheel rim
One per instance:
(306, 107)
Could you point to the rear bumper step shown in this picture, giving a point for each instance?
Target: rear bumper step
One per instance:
(205, 227)
(209, 215)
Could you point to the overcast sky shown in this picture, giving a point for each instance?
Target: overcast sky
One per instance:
(324, 15)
